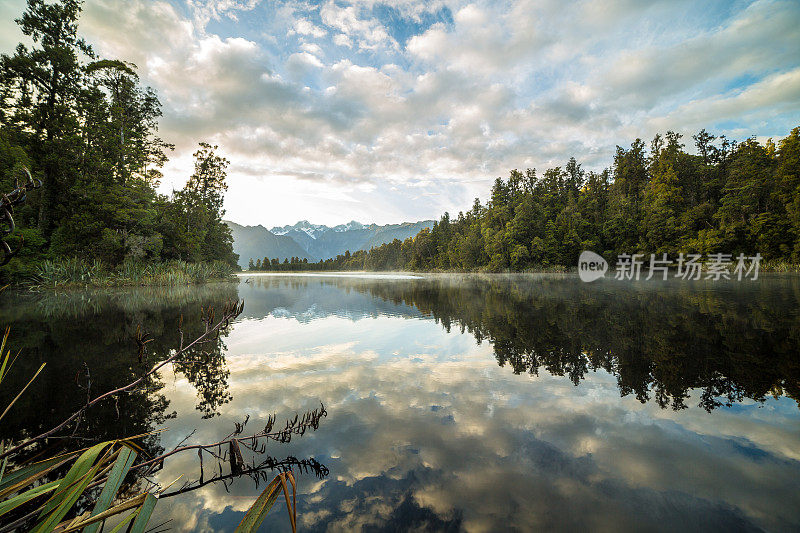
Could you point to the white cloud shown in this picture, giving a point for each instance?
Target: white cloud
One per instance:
(369, 33)
(207, 10)
(776, 94)
(301, 59)
(341, 39)
(305, 27)
(301, 93)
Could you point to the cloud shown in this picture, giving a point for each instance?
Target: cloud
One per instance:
(207, 10)
(369, 33)
(645, 76)
(424, 425)
(775, 94)
(417, 107)
(304, 27)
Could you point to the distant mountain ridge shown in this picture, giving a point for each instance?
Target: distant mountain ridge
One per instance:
(315, 241)
(315, 230)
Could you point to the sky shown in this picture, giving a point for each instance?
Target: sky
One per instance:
(387, 112)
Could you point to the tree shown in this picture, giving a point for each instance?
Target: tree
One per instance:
(206, 237)
(661, 204)
(121, 121)
(39, 91)
(731, 197)
(788, 180)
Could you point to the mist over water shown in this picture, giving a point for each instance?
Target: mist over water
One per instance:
(477, 403)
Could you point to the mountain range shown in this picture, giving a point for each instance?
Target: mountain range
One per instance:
(315, 241)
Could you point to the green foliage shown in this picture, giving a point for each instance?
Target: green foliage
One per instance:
(88, 129)
(82, 272)
(27, 489)
(91, 467)
(729, 198)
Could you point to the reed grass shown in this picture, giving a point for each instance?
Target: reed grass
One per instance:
(93, 273)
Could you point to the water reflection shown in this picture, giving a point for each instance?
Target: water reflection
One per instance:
(87, 339)
(613, 406)
(661, 340)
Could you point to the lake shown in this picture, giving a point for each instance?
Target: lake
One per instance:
(476, 403)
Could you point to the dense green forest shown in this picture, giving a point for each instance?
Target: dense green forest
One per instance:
(86, 127)
(729, 197)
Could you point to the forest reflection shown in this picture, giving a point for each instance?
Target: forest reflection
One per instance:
(417, 409)
(87, 339)
(661, 340)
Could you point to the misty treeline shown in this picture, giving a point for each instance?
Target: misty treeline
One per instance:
(87, 128)
(729, 197)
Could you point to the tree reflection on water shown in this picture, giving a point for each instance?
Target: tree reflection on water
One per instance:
(88, 340)
(660, 340)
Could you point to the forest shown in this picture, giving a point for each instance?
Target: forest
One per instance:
(728, 197)
(87, 128)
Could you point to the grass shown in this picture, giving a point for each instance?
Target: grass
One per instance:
(27, 493)
(779, 266)
(78, 272)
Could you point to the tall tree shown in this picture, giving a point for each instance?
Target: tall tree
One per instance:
(40, 87)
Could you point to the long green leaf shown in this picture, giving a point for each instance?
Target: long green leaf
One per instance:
(82, 465)
(123, 523)
(140, 525)
(71, 486)
(258, 512)
(22, 477)
(8, 408)
(66, 502)
(21, 473)
(4, 357)
(118, 472)
(16, 501)
(127, 505)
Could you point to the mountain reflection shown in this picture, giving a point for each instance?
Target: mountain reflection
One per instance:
(661, 340)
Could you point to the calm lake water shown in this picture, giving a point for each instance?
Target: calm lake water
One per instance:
(477, 403)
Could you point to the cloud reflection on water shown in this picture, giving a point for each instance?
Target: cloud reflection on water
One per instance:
(425, 429)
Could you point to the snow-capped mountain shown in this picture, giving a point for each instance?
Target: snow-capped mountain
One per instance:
(316, 241)
(349, 226)
(312, 230)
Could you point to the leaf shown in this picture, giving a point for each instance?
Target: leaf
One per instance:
(5, 357)
(66, 501)
(25, 472)
(8, 408)
(258, 511)
(124, 521)
(78, 477)
(121, 467)
(16, 501)
(21, 478)
(136, 501)
(145, 511)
